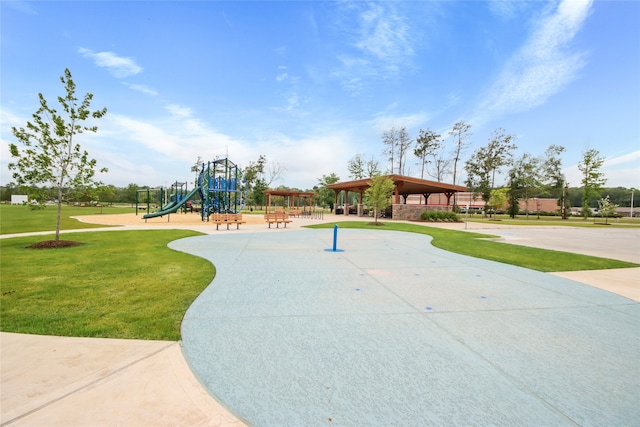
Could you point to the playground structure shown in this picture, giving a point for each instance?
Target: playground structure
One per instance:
(223, 188)
(148, 197)
(220, 185)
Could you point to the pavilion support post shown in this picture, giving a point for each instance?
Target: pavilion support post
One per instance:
(346, 202)
(448, 194)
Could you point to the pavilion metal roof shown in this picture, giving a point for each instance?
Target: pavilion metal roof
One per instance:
(404, 184)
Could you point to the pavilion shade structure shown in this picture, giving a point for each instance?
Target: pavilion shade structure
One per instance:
(404, 186)
(290, 199)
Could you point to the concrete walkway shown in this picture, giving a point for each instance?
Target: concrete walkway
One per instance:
(45, 380)
(392, 331)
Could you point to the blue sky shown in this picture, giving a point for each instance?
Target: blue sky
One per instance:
(311, 84)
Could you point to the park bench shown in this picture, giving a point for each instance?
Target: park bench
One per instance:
(218, 219)
(295, 212)
(277, 218)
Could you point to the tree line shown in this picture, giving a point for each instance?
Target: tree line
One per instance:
(48, 164)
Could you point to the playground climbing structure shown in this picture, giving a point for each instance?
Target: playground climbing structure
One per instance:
(223, 188)
(220, 185)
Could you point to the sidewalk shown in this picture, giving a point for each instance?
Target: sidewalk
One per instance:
(128, 382)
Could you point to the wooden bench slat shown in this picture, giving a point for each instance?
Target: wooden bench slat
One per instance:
(277, 218)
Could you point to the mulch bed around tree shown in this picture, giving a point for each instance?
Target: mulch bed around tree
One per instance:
(52, 244)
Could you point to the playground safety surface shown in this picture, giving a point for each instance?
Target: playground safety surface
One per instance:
(390, 331)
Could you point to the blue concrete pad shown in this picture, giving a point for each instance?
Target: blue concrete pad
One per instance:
(393, 331)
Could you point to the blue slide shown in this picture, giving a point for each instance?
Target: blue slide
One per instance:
(172, 207)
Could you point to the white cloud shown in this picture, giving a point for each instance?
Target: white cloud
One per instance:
(383, 43)
(178, 111)
(542, 67)
(384, 35)
(282, 77)
(117, 65)
(142, 89)
(619, 171)
(385, 121)
(633, 157)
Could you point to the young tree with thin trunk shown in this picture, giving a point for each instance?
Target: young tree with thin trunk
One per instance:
(378, 195)
(593, 179)
(51, 154)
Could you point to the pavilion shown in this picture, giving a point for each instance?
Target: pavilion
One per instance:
(404, 186)
(298, 200)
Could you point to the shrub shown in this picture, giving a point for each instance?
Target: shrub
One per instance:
(439, 216)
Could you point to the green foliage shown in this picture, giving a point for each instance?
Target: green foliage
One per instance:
(427, 145)
(121, 284)
(378, 195)
(606, 209)
(438, 216)
(461, 132)
(498, 198)
(50, 154)
(487, 161)
(355, 166)
(514, 193)
(326, 196)
(467, 243)
(22, 219)
(592, 180)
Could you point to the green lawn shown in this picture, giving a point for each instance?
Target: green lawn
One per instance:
(118, 284)
(129, 284)
(21, 219)
(467, 243)
(555, 221)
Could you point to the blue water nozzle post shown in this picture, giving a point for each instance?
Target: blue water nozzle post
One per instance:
(335, 241)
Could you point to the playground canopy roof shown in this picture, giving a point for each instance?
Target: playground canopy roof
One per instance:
(405, 185)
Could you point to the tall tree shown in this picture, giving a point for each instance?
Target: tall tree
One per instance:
(356, 167)
(553, 178)
(274, 172)
(592, 178)
(390, 141)
(253, 173)
(427, 145)
(460, 132)
(326, 196)
(378, 195)
(487, 161)
(397, 142)
(441, 165)
(373, 167)
(404, 143)
(515, 192)
(527, 173)
(50, 154)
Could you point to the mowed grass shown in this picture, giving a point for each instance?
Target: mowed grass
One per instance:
(467, 243)
(572, 221)
(117, 284)
(22, 219)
